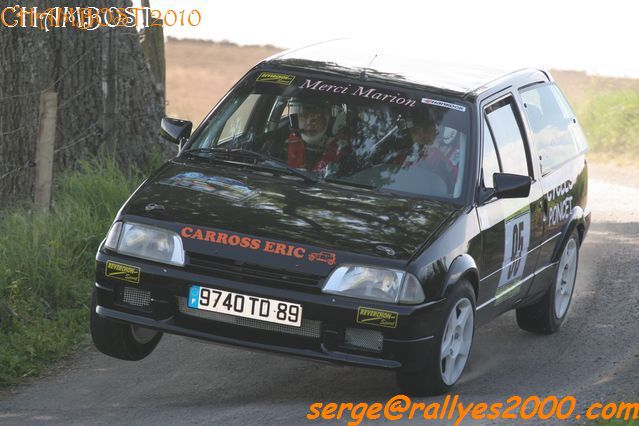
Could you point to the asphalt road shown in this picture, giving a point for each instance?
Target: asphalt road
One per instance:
(594, 357)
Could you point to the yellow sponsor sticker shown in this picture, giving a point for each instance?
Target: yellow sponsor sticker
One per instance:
(271, 77)
(123, 272)
(377, 317)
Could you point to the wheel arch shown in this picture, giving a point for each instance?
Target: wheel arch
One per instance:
(576, 221)
(462, 267)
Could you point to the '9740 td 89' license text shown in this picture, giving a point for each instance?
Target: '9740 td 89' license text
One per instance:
(241, 305)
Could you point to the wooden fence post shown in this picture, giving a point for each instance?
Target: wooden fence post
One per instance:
(44, 152)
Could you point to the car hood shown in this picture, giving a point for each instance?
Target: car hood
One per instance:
(324, 218)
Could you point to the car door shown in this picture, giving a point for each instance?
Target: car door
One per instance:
(512, 229)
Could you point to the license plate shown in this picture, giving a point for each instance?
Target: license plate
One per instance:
(242, 305)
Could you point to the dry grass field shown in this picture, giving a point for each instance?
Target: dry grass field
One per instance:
(199, 73)
(579, 86)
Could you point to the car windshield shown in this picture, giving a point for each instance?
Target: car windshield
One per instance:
(345, 132)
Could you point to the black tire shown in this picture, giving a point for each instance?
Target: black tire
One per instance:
(541, 318)
(429, 380)
(118, 340)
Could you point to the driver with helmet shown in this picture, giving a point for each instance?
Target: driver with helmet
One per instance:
(316, 139)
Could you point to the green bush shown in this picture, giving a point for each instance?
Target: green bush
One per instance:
(611, 122)
(46, 266)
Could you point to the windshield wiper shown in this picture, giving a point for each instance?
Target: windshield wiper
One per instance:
(264, 158)
(350, 183)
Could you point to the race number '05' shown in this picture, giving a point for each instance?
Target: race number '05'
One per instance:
(517, 239)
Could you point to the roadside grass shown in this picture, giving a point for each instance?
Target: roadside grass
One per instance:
(46, 266)
(610, 120)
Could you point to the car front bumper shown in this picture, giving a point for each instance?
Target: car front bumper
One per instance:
(158, 302)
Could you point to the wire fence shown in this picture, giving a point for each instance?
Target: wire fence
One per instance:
(105, 91)
(33, 98)
(52, 85)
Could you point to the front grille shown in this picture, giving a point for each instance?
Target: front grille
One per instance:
(254, 274)
(364, 339)
(136, 297)
(309, 328)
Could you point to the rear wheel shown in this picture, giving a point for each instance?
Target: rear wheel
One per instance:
(446, 364)
(547, 315)
(123, 341)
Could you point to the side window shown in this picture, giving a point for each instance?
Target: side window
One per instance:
(490, 162)
(508, 138)
(278, 116)
(575, 128)
(236, 124)
(556, 134)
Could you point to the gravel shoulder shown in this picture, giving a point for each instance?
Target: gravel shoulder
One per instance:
(595, 357)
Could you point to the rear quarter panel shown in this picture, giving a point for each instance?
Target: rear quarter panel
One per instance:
(566, 195)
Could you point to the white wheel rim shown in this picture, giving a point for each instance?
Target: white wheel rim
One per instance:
(566, 275)
(456, 341)
(142, 335)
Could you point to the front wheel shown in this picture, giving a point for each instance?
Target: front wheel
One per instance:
(445, 366)
(123, 341)
(547, 315)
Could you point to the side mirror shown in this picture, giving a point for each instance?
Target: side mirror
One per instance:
(174, 130)
(508, 185)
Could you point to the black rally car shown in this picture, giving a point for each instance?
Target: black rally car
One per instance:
(351, 206)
